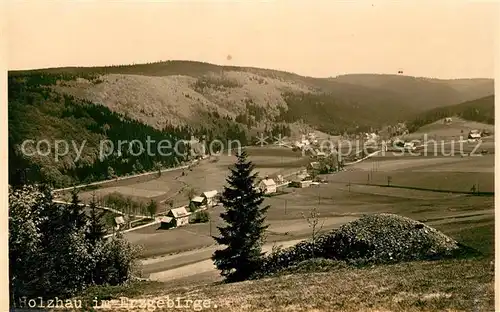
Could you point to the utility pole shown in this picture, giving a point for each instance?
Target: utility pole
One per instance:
(319, 196)
(285, 206)
(389, 180)
(210, 225)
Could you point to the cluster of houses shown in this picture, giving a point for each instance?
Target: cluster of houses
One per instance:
(180, 216)
(270, 186)
(306, 141)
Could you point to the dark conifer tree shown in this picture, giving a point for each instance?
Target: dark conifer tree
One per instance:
(78, 218)
(245, 216)
(96, 230)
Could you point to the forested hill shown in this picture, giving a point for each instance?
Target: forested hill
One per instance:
(174, 100)
(480, 110)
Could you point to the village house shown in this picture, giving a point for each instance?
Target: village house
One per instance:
(167, 222)
(180, 216)
(301, 176)
(320, 154)
(312, 138)
(209, 198)
(196, 203)
(119, 222)
(409, 146)
(314, 166)
(305, 183)
(268, 186)
(297, 144)
(474, 135)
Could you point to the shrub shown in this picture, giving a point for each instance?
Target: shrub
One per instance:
(200, 217)
(387, 238)
(381, 238)
(116, 261)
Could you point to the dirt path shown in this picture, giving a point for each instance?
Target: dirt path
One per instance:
(203, 266)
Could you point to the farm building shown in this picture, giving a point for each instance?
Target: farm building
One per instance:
(297, 144)
(314, 166)
(196, 202)
(119, 221)
(167, 222)
(312, 138)
(301, 176)
(320, 154)
(305, 183)
(409, 146)
(209, 198)
(268, 186)
(474, 135)
(447, 120)
(180, 216)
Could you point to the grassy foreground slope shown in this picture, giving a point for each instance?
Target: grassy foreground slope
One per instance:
(444, 285)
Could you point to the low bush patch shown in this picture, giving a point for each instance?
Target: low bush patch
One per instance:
(372, 239)
(200, 217)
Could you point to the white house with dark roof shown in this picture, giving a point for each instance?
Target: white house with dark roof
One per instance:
(180, 215)
(209, 198)
(268, 186)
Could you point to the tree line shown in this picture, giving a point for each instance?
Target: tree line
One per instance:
(60, 250)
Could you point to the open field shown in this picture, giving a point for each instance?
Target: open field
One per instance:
(418, 286)
(439, 173)
(339, 203)
(453, 131)
(467, 218)
(336, 207)
(204, 176)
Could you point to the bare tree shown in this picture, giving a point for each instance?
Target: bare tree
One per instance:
(170, 203)
(313, 219)
(190, 193)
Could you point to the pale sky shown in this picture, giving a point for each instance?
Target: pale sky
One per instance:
(452, 39)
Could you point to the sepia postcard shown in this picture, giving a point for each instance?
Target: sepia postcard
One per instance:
(250, 155)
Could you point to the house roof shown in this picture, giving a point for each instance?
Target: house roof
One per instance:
(166, 219)
(268, 182)
(315, 164)
(179, 212)
(209, 194)
(474, 135)
(197, 199)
